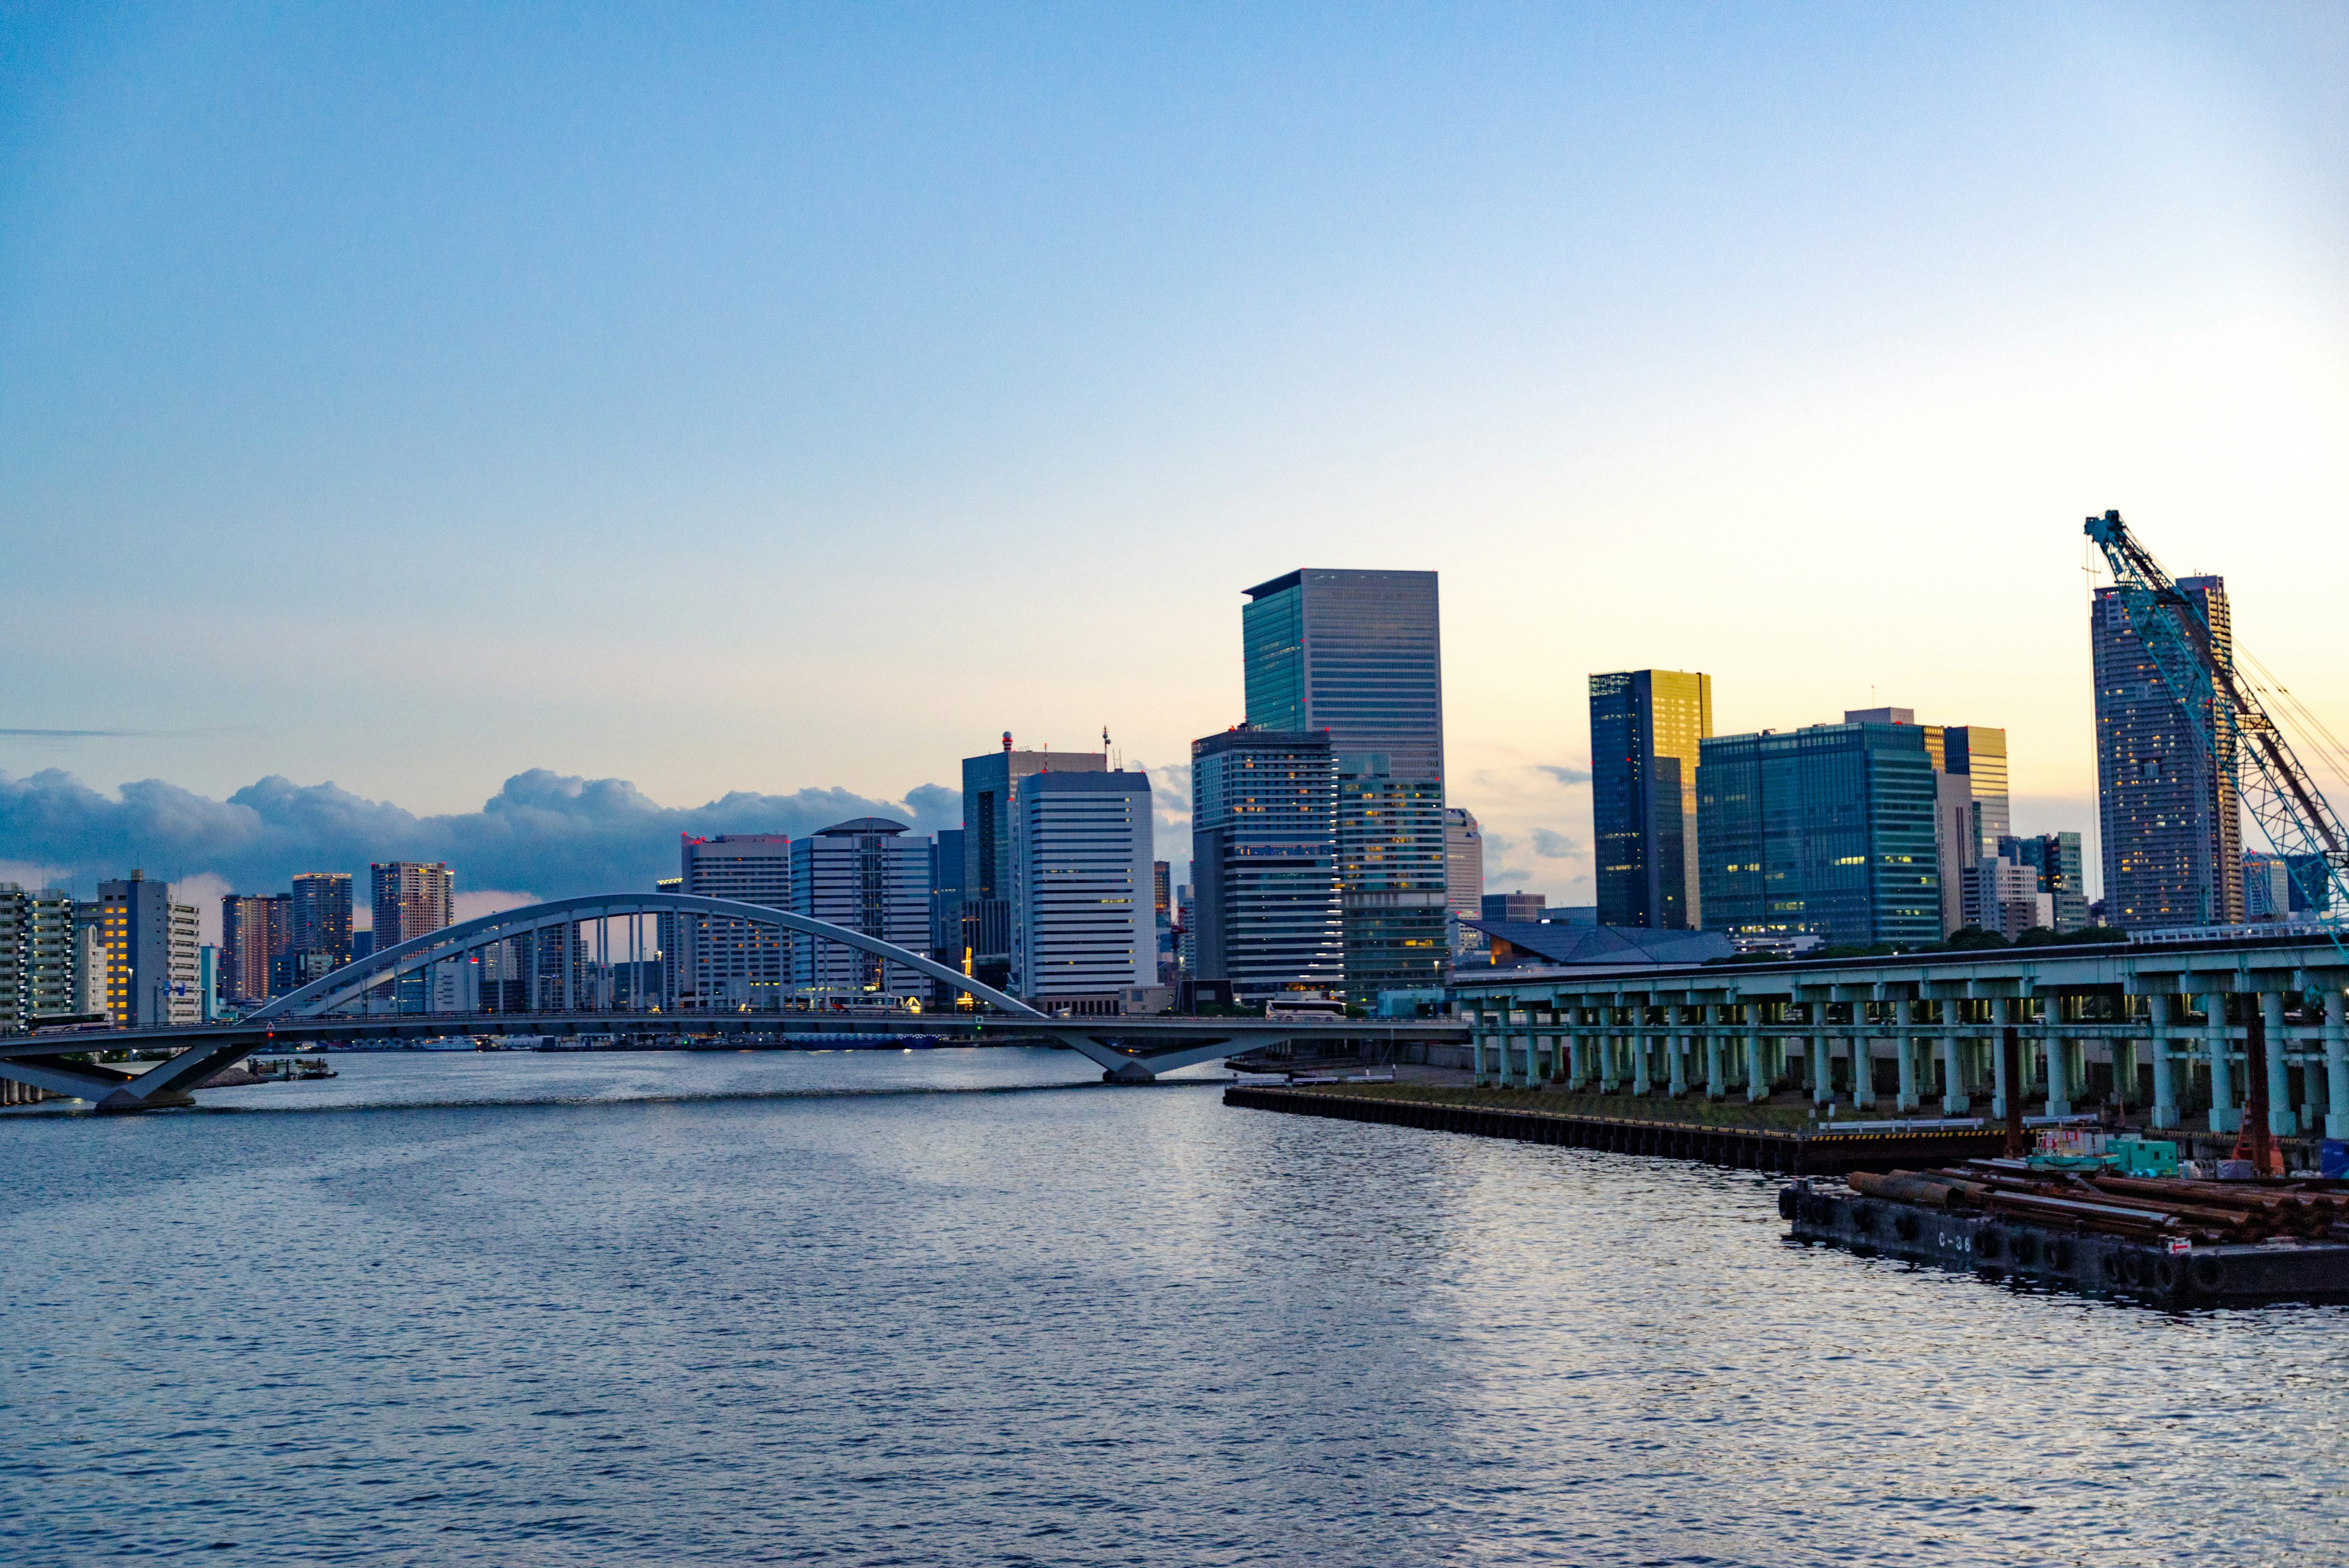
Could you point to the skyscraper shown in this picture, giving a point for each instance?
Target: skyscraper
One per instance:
(322, 922)
(868, 875)
(1971, 807)
(946, 907)
(1084, 937)
(1646, 726)
(1463, 868)
(991, 783)
(2172, 827)
(727, 965)
(1826, 830)
(1265, 913)
(257, 933)
(1357, 655)
(409, 898)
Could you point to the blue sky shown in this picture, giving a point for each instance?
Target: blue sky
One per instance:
(754, 401)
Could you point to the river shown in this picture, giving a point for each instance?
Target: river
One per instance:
(975, 1306)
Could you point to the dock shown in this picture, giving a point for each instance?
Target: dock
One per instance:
(1820, 1153)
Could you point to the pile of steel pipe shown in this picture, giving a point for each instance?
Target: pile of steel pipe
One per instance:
(2144, 1208)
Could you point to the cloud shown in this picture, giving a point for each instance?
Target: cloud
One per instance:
(553, 834)
(1564, 776)
(1552, 845)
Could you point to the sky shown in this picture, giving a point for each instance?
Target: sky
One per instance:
(524, 433)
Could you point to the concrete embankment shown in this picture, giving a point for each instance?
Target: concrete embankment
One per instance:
(1792, 1153)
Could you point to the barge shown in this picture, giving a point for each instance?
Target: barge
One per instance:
(2175, 1243)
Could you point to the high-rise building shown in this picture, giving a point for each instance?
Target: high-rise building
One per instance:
(1825, 831)
(1266, 915)
(1646, 726)
(725, 965)
(1463, 869)
(2007, 901)
(322, 918)
(150, 953)
(1083, 937)
(2169, 823)
(1518, 906)
(256, 934)
(1357, 655)
(410, 898)
(1971, 808)
(2267, 887)
(1162, 909)
(666, 927)
(866, 874)
(39, 972)
(990, 785)
(2056, 858)
(947, 856)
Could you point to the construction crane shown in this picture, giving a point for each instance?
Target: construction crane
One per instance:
(2228, 723)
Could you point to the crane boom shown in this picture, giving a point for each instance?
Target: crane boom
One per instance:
(2229, 722)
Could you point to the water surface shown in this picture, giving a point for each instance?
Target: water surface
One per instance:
(973, 1306)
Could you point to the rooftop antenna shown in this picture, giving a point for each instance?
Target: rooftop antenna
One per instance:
(1007, 740)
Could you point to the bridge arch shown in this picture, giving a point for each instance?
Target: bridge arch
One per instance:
(360, 976)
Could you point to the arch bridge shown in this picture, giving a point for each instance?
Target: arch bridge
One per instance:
(361, 1001)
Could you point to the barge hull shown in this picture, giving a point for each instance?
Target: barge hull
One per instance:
(1998, 1247)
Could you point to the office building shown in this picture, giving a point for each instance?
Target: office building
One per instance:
(2267, 887)
(1512, 907)
(2168, 821)
(990, 785)
(947, 856)
(322, 918)
(257, 933)
(2056, 858)
(1162, 909)
(2007, 901)
(410, 898)
(666, 940)
(1971, 808)
(1464, 871)
(208, 982)
(1083, 934)
(1825, 831)
(1357, 656)
(1187, 950)
(726, 965)
(151, 952)
(1267, 916)
(1645, 728)
(868, 875)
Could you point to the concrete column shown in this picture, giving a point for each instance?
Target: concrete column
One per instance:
(1863, 1061)
(1716, 1072)
(1758, 1082)
(1477, 1047)
(1905, 1020)
(2123, 1073)
(2282, 1120)
(1641, 1044)
(2165, 1076)
(2061, 1080)
(2336, 1068)
(2002, 1015)
(1817, 1055)
(1533, 1068)
(1955, 1102)
(1678, 1045)
(1608, 1080)
(2224, 1116)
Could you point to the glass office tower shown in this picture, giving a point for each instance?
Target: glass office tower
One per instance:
(1645, 728)
(1355, 655)
(1264, 862)
(1826, 831)
(2171, 829)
